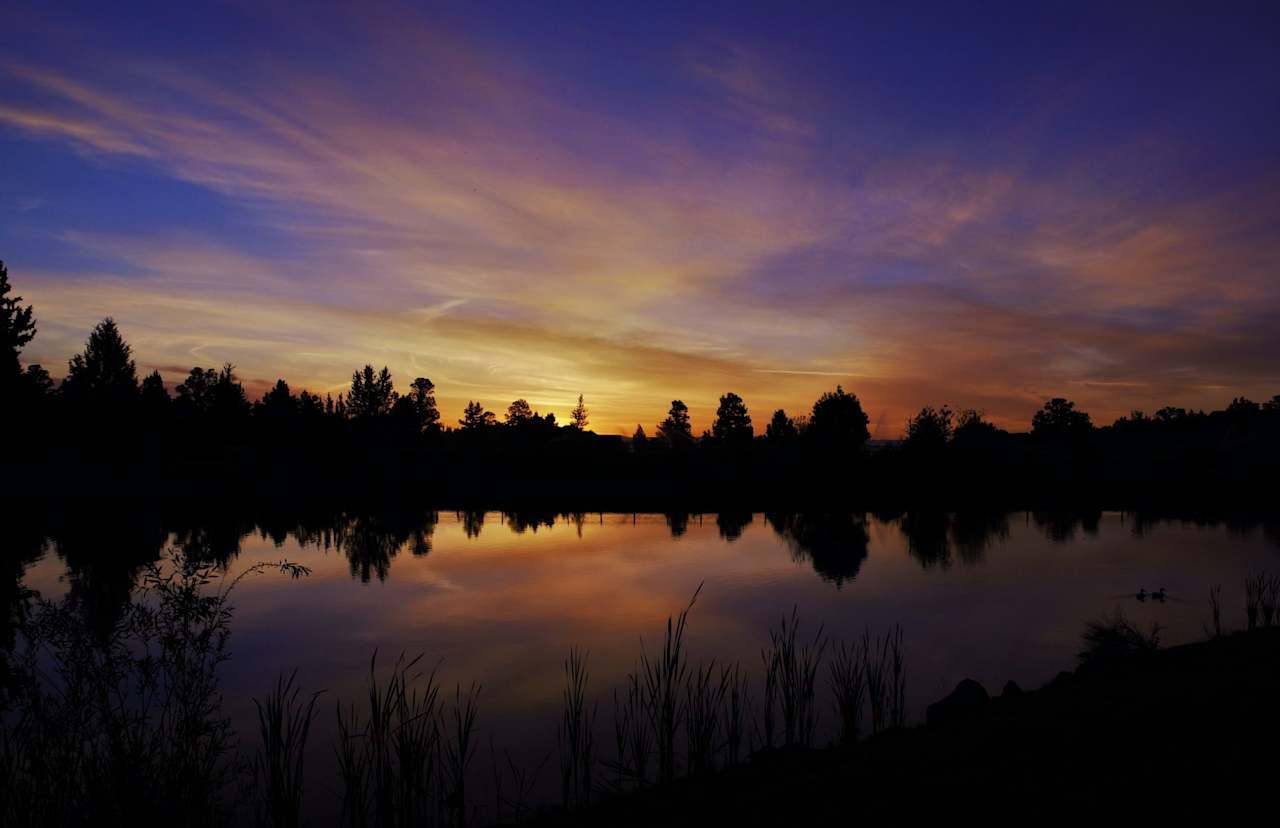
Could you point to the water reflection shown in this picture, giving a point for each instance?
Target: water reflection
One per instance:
(936, 538)
(835, 544)
(370, 540)
(972, 532)
(732, 524)
(104, 550)
(529, 520)
(1063, 526)
(677, 522)
(472, 523)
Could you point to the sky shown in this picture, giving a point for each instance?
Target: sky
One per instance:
(975, 205)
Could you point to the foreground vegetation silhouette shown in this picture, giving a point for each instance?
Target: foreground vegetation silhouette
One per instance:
(103, 432)
(92, 720)
(92, 717)
(122, 724)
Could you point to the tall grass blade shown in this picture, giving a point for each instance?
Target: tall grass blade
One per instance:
(284, 723)
(664, 677)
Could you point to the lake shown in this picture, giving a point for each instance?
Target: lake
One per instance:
(499, 599)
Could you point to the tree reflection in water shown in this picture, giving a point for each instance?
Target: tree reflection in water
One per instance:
(835, 543)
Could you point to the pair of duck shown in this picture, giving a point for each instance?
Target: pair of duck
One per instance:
(1158, 595)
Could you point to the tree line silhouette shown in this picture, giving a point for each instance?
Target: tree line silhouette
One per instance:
(102, 431)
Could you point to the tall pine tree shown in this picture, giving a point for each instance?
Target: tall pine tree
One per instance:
(104, 375)
(17, 328)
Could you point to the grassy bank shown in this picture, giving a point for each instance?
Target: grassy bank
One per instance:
(1192, 725)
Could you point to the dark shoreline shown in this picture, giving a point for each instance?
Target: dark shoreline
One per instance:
(156, 494)
(1191, 725)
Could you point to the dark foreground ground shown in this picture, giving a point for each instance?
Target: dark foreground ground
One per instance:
(1190, 729)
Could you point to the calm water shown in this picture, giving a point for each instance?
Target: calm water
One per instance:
(499, 600)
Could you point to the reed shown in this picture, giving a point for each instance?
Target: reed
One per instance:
(630, 736)
(768, 718)
(736, 714)
(849, 686)
(1113, 638)
(895, 658)
(352, 768)
(1269, 599)
(523, 781)
(284, 722)
(388, 755)
(497, 781)
(704, 698)
(664, 676)
(1255, 586)
(1215, 607)
(640, 744)
(415, 742)
(576, 733)
(877, 682)
(460, 749)
(795, 668)
(621, 732)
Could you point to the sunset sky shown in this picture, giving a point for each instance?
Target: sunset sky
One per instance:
(641, 201)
